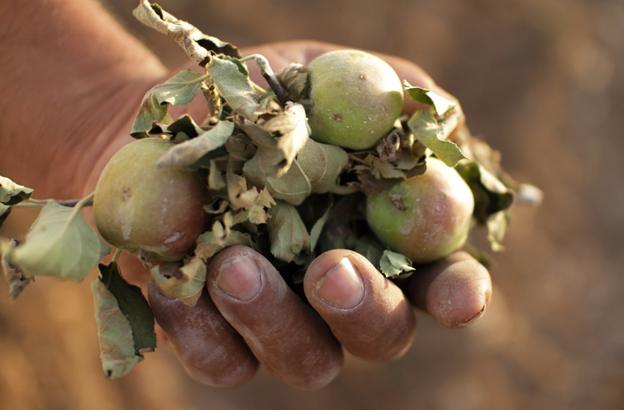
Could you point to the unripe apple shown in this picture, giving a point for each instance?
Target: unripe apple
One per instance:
(425, 217)
(355, 98)
(141, 207)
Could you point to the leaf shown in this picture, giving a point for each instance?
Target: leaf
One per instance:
(16, 279)
(323, 164)
(191, 151)
(317, 228)
(491, 195)
(294, 78)
(197, 45)
(433, 133)
(497, 227)
(124, 320)
(179, 89)
(293, 187)
(287, 232)
(395, 265)
(59, 244)
(238, 194)
(5, 210)
(149, 113)
(12, 193)
(291, 128)
(218, 238)
(257, 213)
(216, 181)
(185, 284)
(234, 86)
(440, 104)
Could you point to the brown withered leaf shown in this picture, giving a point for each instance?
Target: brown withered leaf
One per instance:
(216, 182)
(294, 78)
(239, 195)
(184, 283)
(218, 238)
(16, 279)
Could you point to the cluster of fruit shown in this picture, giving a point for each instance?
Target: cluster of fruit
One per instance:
(326, 157)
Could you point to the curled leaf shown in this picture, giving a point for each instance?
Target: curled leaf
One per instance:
(218, 238)
(124, 320)
(497, 228)
(232, 81)
(150, 112)
(12, 193)
(196, 44)
(433, 134)
(491, 195)
(440, 104)
(395, 265)
(16, 279)
(179, 89)
(287, 232)
(184, 283)
(59, 244)
(291, 129)
(189, 152)
(294, 78)
(323, 164)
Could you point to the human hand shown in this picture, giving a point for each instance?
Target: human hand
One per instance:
(250, 315)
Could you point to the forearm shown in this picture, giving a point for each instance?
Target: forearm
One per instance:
(70, 80)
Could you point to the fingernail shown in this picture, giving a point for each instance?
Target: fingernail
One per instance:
(239, 278)
(341, 287)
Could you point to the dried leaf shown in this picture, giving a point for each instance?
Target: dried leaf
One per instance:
(258, 212)
(294, 78)
(216, 181)
(293, 187)
(124, 320)
(59, 244)
(287, 232)
(291, 128)
(188, 153)
(440, 104)
(185, 284)
(196, 44)
(491, 195)
(5, 210)
(238, 194)
(211, 242)
(497, 227)
(234, 86)
(433, 134)
(16, 279)
(12, 193)
(395, 265)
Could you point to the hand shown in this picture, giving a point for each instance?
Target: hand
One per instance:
(249, 314)
(64, 123)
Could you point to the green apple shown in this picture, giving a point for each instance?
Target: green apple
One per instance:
(141, 207)
(355, 98)
(425, 217)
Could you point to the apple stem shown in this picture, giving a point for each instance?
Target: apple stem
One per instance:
(269, 76)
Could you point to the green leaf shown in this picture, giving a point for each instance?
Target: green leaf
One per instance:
(124, 320)
(287, 232)
(395, 265)
(150, 112)
(317, 228)
(185, 284)
(12, 193)
(323, 164)
(491, 195)
(179, 89)
(189, 152)
(59, 244)
(234, 86)
(440, 104)
(433, 133)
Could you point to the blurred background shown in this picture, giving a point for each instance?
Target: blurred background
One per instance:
(541, 80)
